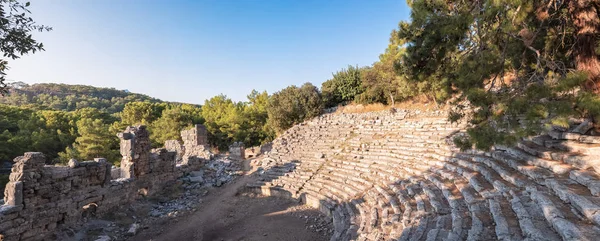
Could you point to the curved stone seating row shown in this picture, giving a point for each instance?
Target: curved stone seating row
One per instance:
(384, 176)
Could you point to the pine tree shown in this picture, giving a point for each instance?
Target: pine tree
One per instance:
(172, 121)
(520, 64)
(95, 140)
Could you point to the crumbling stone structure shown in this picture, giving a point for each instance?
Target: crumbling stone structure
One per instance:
(197, 136)
(195, 145)
(256, 151)
(40, 198)
(237, 151)
(398, 176)
(175, 146)
(135, 149)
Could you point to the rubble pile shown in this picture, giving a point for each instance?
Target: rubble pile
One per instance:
(182, 197)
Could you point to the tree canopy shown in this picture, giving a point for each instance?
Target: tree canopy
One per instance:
(344, 87)
(293, 105)
(228, 121)
(71, 97)
(16, 39)
(519, 64)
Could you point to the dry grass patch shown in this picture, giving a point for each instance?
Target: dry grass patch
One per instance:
(359, 108)
(418, 103)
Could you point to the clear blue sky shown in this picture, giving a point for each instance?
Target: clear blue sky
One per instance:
(189, 51)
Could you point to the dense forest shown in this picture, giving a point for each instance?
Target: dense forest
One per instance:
(51, 118)
(509, 68)
(70, 97)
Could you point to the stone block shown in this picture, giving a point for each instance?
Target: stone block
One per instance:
(197, 136)
(73, 163)
(13, 193)
(237, 151)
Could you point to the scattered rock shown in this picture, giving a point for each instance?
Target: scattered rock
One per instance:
(584, 127)
(196, 179)
(133, 229)
(103, 238)
(197, 173)
(73, 163)
(155, 213)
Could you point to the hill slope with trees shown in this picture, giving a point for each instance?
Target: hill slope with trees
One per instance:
(70, 97)
(76, 121)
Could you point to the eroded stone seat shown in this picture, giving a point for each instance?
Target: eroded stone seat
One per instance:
(384, 176)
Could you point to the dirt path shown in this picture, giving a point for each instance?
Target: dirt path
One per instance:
(227, 215)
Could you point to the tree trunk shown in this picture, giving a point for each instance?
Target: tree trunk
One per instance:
(587, 25)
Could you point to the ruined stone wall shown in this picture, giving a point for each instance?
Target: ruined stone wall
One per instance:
(237, 151)
(195, 145)
(40, 198)
(398, 176)
(175, 146)
(197, 136)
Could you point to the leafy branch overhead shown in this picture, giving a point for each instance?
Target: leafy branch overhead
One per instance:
(16, 38)
(521, 64)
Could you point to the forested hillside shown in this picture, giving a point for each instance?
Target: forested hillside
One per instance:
(70, 97)
(81, 122)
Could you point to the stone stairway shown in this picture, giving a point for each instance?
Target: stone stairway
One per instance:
(397, 176)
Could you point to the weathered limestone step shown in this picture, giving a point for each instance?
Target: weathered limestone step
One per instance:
(575, 146)
(529, 153)
(324, 189)
(400, 179)
(395, 217)
(475, 179)
(494, 181)
(525, 223)
(587, 178)
(504, 171)
(533, 172)
(420, 216)
(578, 196)
(332, 190)
(558, 135)
(531, 218)
(482, 222)
(461, 220)
(408, 204)
(561, 219)
(383, 217)
(436, 198)
(318, 201)
(507, 223)
(342, 217)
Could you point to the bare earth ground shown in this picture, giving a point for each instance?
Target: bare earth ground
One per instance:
(225, 214)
